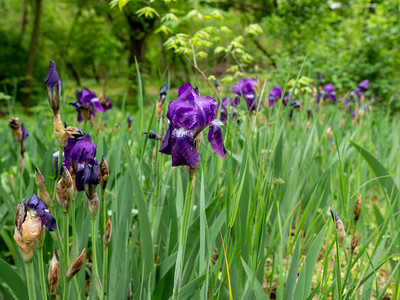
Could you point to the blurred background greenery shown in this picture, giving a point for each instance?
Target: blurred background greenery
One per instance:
(95, 42)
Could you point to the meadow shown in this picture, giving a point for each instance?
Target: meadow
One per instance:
(257, 224)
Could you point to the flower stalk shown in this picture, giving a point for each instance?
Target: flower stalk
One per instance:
(41, 272)
(30, 279)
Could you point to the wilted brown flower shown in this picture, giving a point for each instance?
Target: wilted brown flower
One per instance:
(104, 173)
(357, 208)
(107, 233)
(54, 273)
(41, 185)
(65, 190)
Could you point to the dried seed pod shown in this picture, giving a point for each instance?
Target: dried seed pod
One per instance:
(65, 190)
(104, 173)
(75, 266)
(54, 273)
(107, 233)
(16, 130)
(357, 208)
(62, 132)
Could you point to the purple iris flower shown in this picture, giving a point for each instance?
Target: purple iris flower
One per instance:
(328, 92)
(79, 151)
(286, 98)
(364, 85)
(188, 115)
(246, 88)
(37, 205)
(274, 95)
(87, 176)
(130, 119)
(88, 103)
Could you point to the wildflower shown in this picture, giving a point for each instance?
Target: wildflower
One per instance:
(274, 95)
(107, 233)
(357, 208)
(161, 100)
(153, 135)
(75, 266)
(53, 84)
(65, 190)
(41, 185)
(188, 115)
(328, 92)
(54, 273)
(248, 89)
(362, 87)
(29, 222)
(339, 226)
(88, 103)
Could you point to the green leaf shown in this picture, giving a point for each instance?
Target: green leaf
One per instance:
(255, 284)
(13, 280)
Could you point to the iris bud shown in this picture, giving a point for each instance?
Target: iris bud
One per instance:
(107, 233)
(75, 266)
(357, 208)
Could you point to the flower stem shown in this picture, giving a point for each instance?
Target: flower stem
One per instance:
(104, 210)
(42, 278)
(66, 252)
(182, 239)
(105, 270)
(30, 279)
(94, 268)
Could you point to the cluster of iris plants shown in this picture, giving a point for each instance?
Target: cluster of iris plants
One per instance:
(275, 212)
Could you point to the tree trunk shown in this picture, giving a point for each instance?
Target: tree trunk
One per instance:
(24, 20)
(26, 95)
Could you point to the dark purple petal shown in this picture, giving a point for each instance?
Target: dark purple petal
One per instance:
(48, 220)
(184, 152)
(236, 89)
(166, 146)
(130, 119)
(187, 87)
(286, 98)
(153, 135)
(236, 101)
(65, 163)
(295, 103)
(319, 96)
(224, 114)
(215, 138)
(52, 77)
(79, 151)
(86, 96)
(35, 203)
(97, 105)
(87, 176)
(24, 132)
(309, 112)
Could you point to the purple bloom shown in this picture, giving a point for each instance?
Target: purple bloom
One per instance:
(188, 115)
(52, 78)
(224, 109)
(88, 103)
(79, 151)
(130, 119)
(274, 95)
(286, 98)
(87, 177)
(363, 85)
(246, 88)
(38, 206)
(327, 92)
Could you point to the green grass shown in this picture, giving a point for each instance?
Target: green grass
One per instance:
(263, 211)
